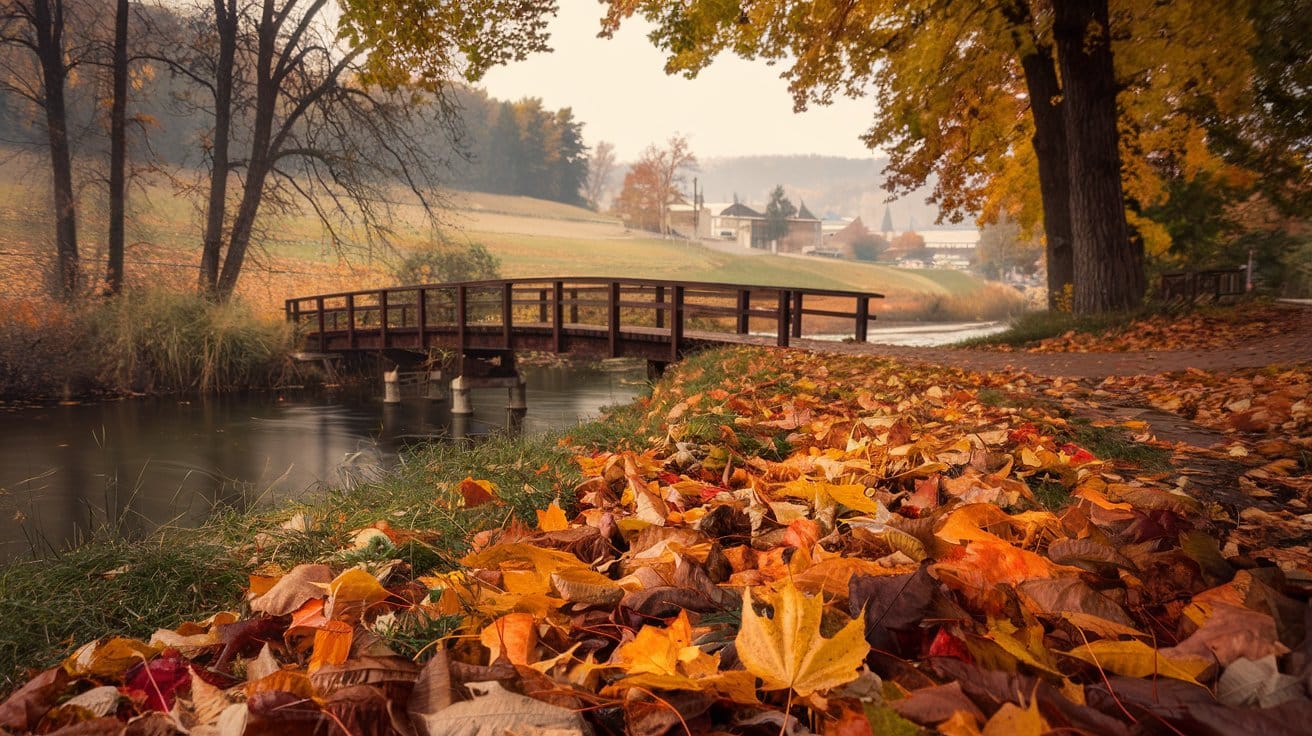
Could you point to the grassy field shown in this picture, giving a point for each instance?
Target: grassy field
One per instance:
(297, 256)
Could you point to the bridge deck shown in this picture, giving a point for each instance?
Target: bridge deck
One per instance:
(645, 318)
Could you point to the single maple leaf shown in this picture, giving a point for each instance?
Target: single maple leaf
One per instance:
(478, 492)
(788, 650)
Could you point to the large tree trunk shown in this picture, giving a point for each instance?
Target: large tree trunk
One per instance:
(1054, 173)
(226, 25)
(1108, 267)
(49, 22)
(118, 146)
(260, 160)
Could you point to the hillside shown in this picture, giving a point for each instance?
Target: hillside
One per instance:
(530, 237)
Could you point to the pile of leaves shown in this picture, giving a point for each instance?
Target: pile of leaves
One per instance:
(1207, 329)
(798, 544)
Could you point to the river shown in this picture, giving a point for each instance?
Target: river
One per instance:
(132, 465)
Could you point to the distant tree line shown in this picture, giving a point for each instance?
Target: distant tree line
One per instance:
(521, 148)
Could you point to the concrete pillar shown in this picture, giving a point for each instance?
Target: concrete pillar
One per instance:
(460, 403)
(435, 391)
(392, 386)
(518, 395)
(459, 426)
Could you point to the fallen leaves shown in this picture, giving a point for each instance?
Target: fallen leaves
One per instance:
(809, 545)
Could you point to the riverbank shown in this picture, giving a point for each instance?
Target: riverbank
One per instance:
(141, 342)
(1028, 560)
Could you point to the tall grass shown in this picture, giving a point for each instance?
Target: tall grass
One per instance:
(171, 341)
(149, 341)
(990, 302)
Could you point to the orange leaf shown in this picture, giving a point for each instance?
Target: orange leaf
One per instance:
(514, 636)
(351, 593)
(332, 645)
(478, 492)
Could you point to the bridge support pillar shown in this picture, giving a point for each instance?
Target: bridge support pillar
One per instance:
(461, 403)
(392, 386)
(434, 390)
(518, 395)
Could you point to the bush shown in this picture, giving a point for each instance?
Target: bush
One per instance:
(444, 262)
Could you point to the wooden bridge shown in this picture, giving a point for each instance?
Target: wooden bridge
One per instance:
(598, 317)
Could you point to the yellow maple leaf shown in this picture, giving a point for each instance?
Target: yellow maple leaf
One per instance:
(553, 519)
(788, 650)
(1136, 659)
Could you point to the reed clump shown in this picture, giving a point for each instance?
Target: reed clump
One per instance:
(143, 341)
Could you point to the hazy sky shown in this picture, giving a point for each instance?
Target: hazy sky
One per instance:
(619, 91)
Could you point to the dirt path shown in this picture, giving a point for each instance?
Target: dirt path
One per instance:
(1294, 347)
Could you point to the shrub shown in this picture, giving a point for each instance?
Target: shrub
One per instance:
(445, 261)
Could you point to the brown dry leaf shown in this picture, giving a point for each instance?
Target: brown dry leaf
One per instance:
(788, 651)
(292, 590)
(495, 711)
(1232, 632)
(25, 706)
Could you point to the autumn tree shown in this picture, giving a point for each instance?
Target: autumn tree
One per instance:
(965, 87)
(40, 30)
(653, 184)
(777, 212)
(324, 114)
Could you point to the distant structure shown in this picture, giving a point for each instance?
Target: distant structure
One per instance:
(887, 228)
(746, 227)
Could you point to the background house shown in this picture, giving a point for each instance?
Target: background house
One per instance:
(747, 227)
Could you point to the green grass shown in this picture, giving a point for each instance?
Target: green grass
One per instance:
(1113, 443)
(1032, 327)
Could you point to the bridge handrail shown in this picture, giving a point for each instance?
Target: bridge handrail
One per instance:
(554, 294)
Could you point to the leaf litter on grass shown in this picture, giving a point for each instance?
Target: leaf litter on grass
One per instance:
(892, 571)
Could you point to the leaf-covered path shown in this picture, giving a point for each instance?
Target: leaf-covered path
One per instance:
(1245, 350)
(781, 542)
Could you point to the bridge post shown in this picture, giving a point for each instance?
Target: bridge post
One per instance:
(423, 318)
(862, 317)
(613, 320)
(392, 386)
(350, 320)
(744, 306)
(435, 392)
(660, 307)
(518, 395)
(797, 314)
(507, 315)
(382, 317)
(323, 336)
(557, 315)
(676, 323)
(573, 306)
(782, 332)
(461, 295)
(460, 403)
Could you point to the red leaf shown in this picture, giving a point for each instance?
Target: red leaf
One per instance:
(947, 645)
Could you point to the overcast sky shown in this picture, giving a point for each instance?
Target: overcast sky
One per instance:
(619, 91)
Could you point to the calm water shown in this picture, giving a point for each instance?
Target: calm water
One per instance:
(136, 464)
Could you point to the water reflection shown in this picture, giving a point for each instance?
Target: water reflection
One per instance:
(141, 463)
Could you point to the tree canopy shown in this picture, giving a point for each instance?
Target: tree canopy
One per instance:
(968, 94)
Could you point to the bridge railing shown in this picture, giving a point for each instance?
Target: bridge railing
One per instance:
(667, 309)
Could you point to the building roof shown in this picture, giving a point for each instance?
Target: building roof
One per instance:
(738, 209)
(804, 214)
(855, 229)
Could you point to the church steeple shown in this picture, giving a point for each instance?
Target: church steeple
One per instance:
(887, 227)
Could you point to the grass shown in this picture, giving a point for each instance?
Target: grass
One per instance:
(155, 341)
(1113, 443)
(52, 605)
(1031, 327)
